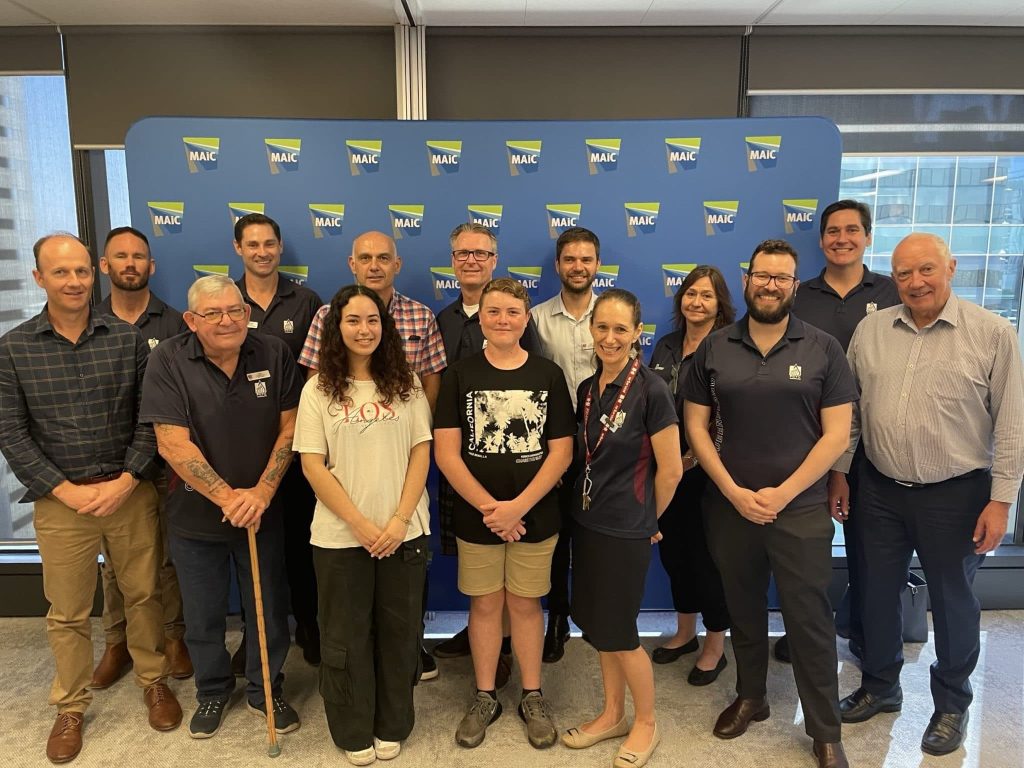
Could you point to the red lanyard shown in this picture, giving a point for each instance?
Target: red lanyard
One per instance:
(608, 421)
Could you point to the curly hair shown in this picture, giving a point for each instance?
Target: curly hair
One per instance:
(388, 365)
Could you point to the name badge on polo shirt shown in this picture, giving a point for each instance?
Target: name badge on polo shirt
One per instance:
(870, 307)
(252, 324)
(152, 343)
(289, 326)
(257, 375)
(618, 421)
(795, 373)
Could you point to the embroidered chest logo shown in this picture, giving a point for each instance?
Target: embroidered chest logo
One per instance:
(618, 421)
(152, 343)
(289, 326)
(870, 307)
(795, 373)
(261, 388)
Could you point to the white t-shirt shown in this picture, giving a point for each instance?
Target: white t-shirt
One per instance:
(367, 447)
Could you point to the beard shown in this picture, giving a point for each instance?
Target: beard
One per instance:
(578, 289)
(119, 282)
(769, 316)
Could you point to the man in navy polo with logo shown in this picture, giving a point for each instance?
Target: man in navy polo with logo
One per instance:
(223, 404)
(768, 409)
(835, 301)
(283, 308)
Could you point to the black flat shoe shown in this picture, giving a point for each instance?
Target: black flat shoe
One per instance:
(700, 676)
(782, 650)
(945, 733)
(555, 639)
(861, 705)
(668, 655)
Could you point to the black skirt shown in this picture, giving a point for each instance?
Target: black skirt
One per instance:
(608, 577)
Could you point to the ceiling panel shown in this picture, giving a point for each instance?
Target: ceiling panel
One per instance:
(898, 12)
(573, 13)
(13, 16)
(673, 13)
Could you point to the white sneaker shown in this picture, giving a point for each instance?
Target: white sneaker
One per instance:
(362, 757)
(386, 750)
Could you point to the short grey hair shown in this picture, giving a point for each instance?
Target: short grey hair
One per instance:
(210, 285)
(941, 246)
(473, 228)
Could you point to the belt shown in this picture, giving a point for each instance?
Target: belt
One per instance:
(98, 479)
(908, 484)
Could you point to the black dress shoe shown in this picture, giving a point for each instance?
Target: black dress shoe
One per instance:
(737, 716)
(861, 705)
(782, 650)
(556, 638)
(700, 676)
(830, 754)
(945, 733)
(668, 655)
(453, 647)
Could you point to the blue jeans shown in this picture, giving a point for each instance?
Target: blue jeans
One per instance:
(204, 575)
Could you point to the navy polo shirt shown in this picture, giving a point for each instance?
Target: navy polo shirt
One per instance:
(463, 336)
(667, 361)
(818, 303)
(160, 320)
(622, 470)
(766, 410)
(234, 422)
(289, 314)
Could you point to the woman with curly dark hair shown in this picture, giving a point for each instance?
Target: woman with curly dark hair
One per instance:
(701, 305)
(363, 432)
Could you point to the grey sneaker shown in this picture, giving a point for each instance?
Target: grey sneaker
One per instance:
(482, 712)
(539, 728)
(207, 718)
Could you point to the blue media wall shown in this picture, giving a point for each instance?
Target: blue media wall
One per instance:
(663, 196)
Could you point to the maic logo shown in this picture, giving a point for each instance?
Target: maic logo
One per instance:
(681, 154)
(326, 218)
(607, 276)
(364, 155)
(446, 286)
(486, 216)
(406, 220)
(641, 217)
(201, 153)
(603, 154)
(562, 216)
(283, 154)
(762, 152)
(720, 216)
(798, 215)
(295, 273)
(523, 156)
(238, 210)
(529, 278)
(202, 270)
(673, 276)
(647, 335)
(444, 156)
(166, 217)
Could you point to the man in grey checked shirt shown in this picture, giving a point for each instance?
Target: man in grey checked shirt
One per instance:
(941, 415)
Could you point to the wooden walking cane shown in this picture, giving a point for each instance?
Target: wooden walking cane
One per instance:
(273, 748)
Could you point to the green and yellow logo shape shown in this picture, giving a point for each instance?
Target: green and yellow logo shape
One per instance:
(444, 156)
(283, 154)
(602, 154)
(673, 276)
(201, 153)
(523, 156)
(327, 219)
(681, 153)
(364, 155)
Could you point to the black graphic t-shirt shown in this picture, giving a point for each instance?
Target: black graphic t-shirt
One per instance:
(507, 419)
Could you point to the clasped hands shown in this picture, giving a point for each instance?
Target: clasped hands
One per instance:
(246, 507)
(98, 499)
(505, 519)
(761, 507)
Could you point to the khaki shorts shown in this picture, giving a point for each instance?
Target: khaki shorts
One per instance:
(518, 567)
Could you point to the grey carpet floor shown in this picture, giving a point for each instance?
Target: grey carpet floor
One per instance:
(117, 734)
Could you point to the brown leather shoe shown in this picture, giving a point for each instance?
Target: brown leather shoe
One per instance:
(736, 717)
(830, 754)
(178, 660)
(112, 667)
(65, 740)
(164, 710)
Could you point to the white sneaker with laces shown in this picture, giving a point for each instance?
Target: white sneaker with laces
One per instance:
(386, 750)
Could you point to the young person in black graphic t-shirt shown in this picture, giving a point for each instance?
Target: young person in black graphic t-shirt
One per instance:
(503, 434)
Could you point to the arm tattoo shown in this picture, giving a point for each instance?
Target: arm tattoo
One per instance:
(202, 471)
(164, 429)
(282, 460)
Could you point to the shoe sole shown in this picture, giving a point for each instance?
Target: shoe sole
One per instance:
(287, 729)
(867, 716)
(938, 752)
(203, 735)
(439, 653)
(760, 717)
(182, 675)
(431, 675)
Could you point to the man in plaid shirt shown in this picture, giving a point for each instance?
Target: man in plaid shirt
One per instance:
(375, 263)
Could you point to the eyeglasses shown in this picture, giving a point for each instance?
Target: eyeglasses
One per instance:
(761, 279)
(477, 255)
(214, 316)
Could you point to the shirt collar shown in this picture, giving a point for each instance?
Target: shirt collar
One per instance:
(949, 314)
(195, 347)
(43, 323)
(818, 283)
(740, 330)
(558, 307)
(285, 287)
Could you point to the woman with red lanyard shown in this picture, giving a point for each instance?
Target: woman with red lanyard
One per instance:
(629, 443)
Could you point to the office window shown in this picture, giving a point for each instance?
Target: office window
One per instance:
(36, 196)
(949, 164)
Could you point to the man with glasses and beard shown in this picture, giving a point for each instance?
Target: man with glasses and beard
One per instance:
(126, 260)
(767, 375)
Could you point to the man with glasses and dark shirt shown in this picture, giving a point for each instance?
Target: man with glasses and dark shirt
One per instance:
(769, 374)
(70, 385)
(126, 260)
(285, 309)
(843, 294)
(223, 404)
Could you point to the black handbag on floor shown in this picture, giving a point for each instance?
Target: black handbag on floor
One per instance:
(915, 609)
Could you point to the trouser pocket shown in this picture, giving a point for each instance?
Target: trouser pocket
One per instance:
(335, 682)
